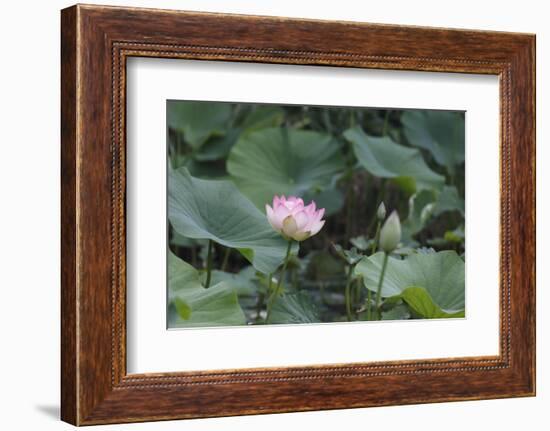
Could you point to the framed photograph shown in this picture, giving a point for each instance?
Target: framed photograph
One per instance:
(329, 214)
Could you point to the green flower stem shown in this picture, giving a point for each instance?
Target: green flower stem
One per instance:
(279, 282)
(358, 282)
(348, 292)
(380, 197)
(369, 308)
(349, 205)
(379, 289)
(261, 297)
(283, 269)
(267, 295)
(269, 281)
(208, 265)
(226, 258)
(376, 238)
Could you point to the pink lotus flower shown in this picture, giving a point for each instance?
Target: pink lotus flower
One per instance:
(292, 219)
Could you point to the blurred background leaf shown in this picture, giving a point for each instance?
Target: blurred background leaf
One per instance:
(439, 132)
(198, 121)
(284, 161)
(384, 158)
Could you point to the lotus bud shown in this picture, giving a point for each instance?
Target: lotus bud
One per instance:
(390, 234)
(292, 219)
(381, 212)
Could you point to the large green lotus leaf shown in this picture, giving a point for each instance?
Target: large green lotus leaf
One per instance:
(286, 161)
(440, 132)
(216, 210)
(191, 305)
(294, 308)
(198, 120)
(441, 274)
(421, 303)
(384, 158)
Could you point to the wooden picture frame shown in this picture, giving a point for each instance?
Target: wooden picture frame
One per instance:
(95, 43)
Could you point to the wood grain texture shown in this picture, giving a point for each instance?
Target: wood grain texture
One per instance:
(69, 330)
(96, 41)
